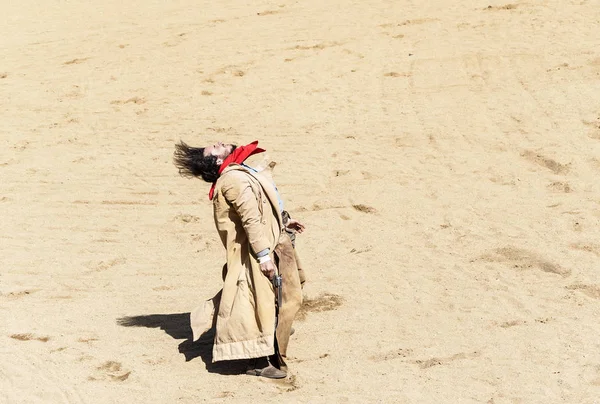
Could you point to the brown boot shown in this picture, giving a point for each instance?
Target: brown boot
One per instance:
(262, 367)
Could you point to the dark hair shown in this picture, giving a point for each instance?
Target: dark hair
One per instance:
(192, 162)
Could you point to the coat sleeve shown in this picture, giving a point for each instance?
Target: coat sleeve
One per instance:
(239, 194)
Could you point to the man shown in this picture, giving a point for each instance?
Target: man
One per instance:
(249, 217)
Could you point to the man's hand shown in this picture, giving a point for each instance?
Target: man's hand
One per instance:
(268, 269)
(295, 225)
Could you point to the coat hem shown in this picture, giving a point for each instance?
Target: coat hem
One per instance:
(255, 348)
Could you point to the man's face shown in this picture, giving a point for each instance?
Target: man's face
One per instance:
(219, 150)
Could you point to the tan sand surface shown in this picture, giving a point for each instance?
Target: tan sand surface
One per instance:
(444, 156)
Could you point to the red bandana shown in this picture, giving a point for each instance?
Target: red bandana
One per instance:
(238, 156)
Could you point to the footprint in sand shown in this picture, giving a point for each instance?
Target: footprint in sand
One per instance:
(401, 353)
(129, 203)
(30, 337)
(361, 250)
(325, 302)
(316, 208)
(428, 363)
(269, 12)
(587, 247)
(317, 47)
(132, 100)
(75, 61)
(559, 186)
(186, 218)
(416, 21)
(112, 371)
(513, 323)
(519, 258)
(550, 164)
(87, 340)
(340, 173)
(19, 294)
(104, 265)
(595, 128)
(592, 291)
(499, 8)
(288, 384)
(364, 208)
(396, 74)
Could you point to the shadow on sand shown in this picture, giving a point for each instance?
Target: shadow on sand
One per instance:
(178, 326)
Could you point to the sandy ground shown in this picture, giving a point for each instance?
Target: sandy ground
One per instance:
(444, 156)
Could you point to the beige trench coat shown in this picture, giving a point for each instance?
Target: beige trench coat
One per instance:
(246, 213)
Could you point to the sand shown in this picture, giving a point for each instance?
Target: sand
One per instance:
(444, 157)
